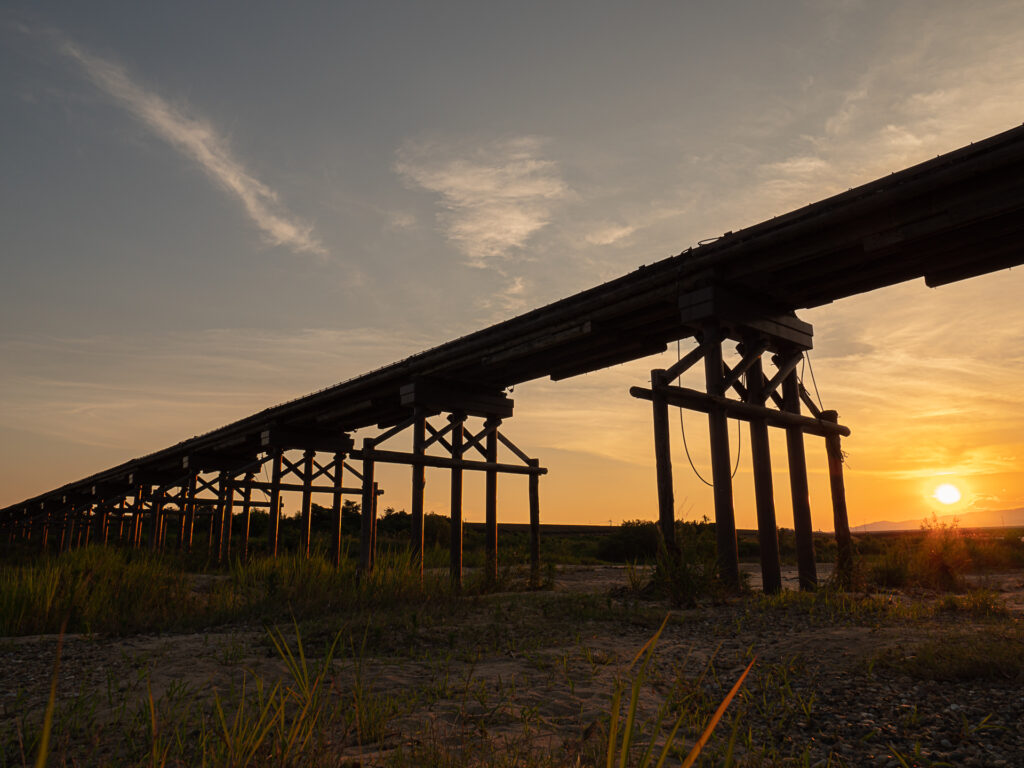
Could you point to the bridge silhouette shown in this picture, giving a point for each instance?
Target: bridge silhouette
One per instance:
(951, 218)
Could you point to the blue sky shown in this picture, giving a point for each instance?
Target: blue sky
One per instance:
(207, 210)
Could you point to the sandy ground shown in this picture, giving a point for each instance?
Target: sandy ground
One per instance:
(479, 677)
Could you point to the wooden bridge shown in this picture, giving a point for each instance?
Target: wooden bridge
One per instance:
(954, 217)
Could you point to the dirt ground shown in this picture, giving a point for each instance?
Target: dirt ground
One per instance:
(536, 670)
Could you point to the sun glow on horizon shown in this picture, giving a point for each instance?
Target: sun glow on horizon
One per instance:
(947, 494)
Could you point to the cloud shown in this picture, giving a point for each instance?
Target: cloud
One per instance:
(199, 141)
(494, 198)
(921, 95)
(609, 234)
(171, 386)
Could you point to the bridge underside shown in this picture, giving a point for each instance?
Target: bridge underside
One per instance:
(959, 215)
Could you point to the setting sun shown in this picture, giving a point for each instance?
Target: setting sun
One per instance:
(947, 494)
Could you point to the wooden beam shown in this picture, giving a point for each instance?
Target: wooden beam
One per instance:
(844, 546)
(336, 506)
(366, 508)
(764, 495)
(721, 469)
(663, 463)
(685, 363)
(274, 527)
(246, 514)
(799, 492)
(455, 551)
(444, 462)
(699, 401)
(307, 502)
(491, 503)
(418, 484)
(534, 491)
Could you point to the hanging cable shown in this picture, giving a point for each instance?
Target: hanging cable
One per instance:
(687, 449)
(682, 430)
(810, 367)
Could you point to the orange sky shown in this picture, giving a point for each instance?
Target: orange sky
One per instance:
(202, 220)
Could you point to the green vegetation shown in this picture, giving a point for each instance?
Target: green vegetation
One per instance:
(938, 557)
(992, 654)
(300, 663)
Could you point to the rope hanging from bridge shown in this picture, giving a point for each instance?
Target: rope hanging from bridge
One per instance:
(682, 429)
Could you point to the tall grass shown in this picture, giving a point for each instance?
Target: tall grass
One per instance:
(120, 591)
(101, 588)
(940, 556)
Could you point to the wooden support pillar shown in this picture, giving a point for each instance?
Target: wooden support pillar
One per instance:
(104, 525)
(63, 530)
(120, 521)
(368, 505)
(373, 526)
(72, 527)
(307, 502)
(535, 524)
(491, 504)
(721, 469)
(140, 508)
(455, 551)
(663, 464)
(246, 514)
(844, 547)
(86, 527)
(339, 468)
(226, 514)
(45, 537)
(213, 531)
(798, 488)
(419, 474)
(764, 491)
(154, 523)
(188, 508)
(274, 522)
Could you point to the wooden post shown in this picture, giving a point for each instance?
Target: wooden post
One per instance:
(366, 512)
(721, 469)
(72, 524)
(63, 530)
(215, 518)
(798, 489)
(764, 492)
(140, 510)
(844, 547)
(274, 526)
(373, 527)
(491, 504)
(535, 524)
(227, 513)
(339, 467)
(188, 508)
(45, 538)
(455, 552)
(154, 523)
(120, 521)
(85, 533)
(419, 473)
(307, 501)
(104, 526)
(663, 464)
(247, 514)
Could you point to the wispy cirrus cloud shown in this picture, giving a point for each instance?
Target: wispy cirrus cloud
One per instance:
(925, 97)
(494, 197)
(197, 140)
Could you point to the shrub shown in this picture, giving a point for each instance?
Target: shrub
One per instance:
(634, 540)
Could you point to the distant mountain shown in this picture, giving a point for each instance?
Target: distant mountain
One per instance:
(977, 519)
